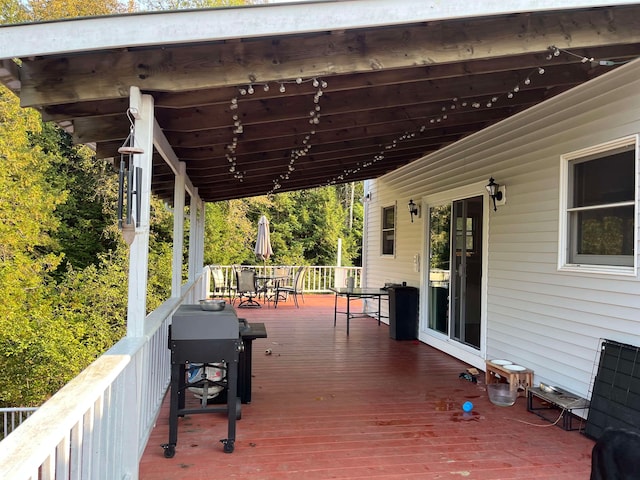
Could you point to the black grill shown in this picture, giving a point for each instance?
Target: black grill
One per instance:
(198, 336)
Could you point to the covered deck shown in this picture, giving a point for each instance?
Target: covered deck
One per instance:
(328, 405)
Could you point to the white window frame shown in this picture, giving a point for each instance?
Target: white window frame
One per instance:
(394, 229)
(564, 242)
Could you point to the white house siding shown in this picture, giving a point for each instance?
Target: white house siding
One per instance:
(549, 320)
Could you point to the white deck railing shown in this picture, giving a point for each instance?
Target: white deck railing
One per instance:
(97, 426)
(13, 417)
(319, 278)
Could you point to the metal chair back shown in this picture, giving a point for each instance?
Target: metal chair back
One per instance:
(219, 288)
(247, 288)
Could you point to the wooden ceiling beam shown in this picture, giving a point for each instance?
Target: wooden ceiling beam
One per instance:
(418, 99)
(286, 118)
(268, 171)
(86, 77)
(292, 139)
(227, 189)
(168, 101)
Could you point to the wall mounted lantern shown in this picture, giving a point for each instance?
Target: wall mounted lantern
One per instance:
(413, 209)
(494, 192)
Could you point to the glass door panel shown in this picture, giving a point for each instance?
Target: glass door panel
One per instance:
(467, 274)
(455, 270)
(439, 267)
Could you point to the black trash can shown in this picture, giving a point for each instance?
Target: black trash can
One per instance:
(403, 313)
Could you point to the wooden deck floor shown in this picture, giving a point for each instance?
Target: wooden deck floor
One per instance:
(328, 406)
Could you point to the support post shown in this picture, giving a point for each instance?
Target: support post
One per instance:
(139, 248)
(178, 229)
(194, 242)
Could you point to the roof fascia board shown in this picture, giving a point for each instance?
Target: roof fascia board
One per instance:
(192, 26)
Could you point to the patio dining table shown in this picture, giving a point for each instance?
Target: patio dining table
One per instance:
(270, 282)
(358, 294)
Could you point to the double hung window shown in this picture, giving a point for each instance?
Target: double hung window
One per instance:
(389, 230)
(598, 221)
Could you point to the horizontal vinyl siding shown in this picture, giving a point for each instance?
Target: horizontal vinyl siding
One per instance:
(383, 269)
(548, 320)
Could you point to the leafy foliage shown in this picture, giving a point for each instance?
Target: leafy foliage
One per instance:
(155, 5)
(88, 208)
(305, 227)
(26, 224)
(58, 9)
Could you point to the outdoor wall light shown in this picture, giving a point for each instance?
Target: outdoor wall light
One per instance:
(494, 192)
(413, 209)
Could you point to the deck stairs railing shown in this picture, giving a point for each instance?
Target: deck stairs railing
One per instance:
(13, 417)
(97, 426)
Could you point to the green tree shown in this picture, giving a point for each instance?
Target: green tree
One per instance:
(304, 225)
(27, 221)
(12, 11)
(157, 5)
(90, 196)
(228, 233)
(58, 9)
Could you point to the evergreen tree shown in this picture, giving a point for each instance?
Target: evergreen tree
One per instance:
(27, 221)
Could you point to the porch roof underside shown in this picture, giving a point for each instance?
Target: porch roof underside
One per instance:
(394, 92)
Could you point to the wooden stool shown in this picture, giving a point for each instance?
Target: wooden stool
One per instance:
(522, 379)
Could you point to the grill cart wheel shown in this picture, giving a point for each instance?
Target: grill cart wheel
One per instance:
(169, 450)
(228, 445)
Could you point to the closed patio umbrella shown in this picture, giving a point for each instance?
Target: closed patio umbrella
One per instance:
(263, 248)
(263, 243)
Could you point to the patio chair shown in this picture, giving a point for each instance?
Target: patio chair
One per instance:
(247, 288)
(218, 288)
(282, 292)
(232, 283)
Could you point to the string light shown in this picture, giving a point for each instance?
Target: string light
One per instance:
(459, 106)
(314, 119)
(296, 153)
(455, 105)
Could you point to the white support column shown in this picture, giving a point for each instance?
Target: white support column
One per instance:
(178, 229)
(199, 257)
(194, 241)
(139, 249)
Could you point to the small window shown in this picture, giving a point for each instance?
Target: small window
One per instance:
(389, 230)
(600, 208)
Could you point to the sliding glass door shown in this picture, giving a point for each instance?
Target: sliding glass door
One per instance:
(455, 270)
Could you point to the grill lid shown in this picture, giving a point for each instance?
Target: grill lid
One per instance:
(190, 322)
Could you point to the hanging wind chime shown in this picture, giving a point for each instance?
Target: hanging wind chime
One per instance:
(129, 184)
